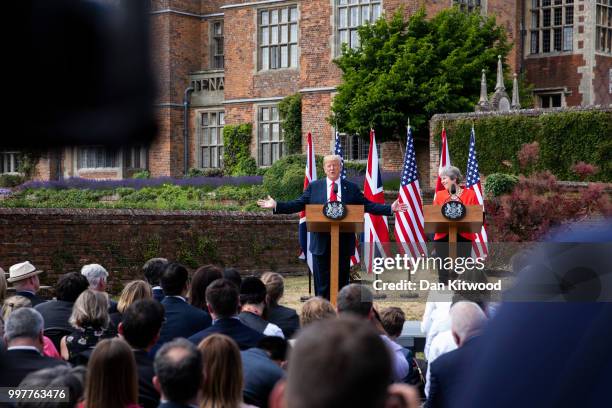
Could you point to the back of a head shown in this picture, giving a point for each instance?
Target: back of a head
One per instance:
(233, 275)
(23, 323)
(393, 319)
(178, 367)
(112, 376)
(467, 320)
(70, 286)
(222, 298)
(338, 363)
(133, 291)
(315, 309)
(95, 273)
(203, 277)
(252, 291)
(222, 372)
(355, 299)
(174, 279)
(275, 286)
(13, 303)
(56, 377)
(141, 322)
(90, 309)
(276, 346)
(153, 269)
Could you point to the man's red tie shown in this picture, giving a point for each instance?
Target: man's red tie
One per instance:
(332, 194)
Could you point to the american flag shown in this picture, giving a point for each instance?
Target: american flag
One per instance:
(376, 228)
(409, 225)
(309, 177)
(444, 161)
(479, 245)
(340, 152)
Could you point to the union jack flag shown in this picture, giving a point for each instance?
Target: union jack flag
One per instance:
(309, 177)
(376, 228)
(409, 225)
(444, 161)
(479, 245)
(340, 152)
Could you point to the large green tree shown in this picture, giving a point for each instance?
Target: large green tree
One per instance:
(414, 69)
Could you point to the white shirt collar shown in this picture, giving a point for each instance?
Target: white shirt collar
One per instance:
(24, 348)
(179, 297)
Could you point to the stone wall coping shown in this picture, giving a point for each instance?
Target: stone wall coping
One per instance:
(524, 112)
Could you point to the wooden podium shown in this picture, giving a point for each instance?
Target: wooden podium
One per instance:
(317, 222)
(436, 222)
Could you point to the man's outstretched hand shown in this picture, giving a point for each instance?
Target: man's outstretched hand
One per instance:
(397, 207)
(268, 202)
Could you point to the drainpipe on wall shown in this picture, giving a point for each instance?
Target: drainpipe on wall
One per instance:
(186, 99)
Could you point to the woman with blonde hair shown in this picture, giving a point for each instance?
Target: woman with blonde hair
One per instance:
(316, 308)
(223, 380)
(90, 320)
(133, 291)
(284, 317)
(112, 376)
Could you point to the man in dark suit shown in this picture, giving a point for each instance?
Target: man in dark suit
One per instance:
(223, 305)
(24, 277)
(178, 374)
(140, 327)
(182, 319)
(261, 368)
(152, 270)
(23, 333)
(331, 188)
(67, 289)
(97, 276)
(449, 371)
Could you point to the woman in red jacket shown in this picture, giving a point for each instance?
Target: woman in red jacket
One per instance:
(451, 177)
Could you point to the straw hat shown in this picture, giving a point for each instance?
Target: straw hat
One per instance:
(22, 271)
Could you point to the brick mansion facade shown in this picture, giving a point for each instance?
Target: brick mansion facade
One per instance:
(243, 57)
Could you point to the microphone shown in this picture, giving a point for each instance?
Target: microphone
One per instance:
(453, 189)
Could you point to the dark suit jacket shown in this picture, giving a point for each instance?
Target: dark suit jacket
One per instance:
(112, 306)
(17, 364)
(316, 193)
(260, 376)
(148, 397)
(170, 404)
(35, 299)
(182, 320)
(285, 318)
(232, 327)
(158, 294)
(56, 313)
(449, 372)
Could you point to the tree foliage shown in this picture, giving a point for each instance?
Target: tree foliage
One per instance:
(291, 121)
(414, 69)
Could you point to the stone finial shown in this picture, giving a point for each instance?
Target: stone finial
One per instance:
(483, 103)
(515, 94)
(500, 75)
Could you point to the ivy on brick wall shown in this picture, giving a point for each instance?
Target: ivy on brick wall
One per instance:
(290, 109)
(565, 138)
(237, 158)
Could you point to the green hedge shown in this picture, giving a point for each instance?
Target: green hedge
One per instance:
(565, 138)
(284, 180)
(498, 184)
(237, 159)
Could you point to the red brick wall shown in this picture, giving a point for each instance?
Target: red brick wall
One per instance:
(59, 241)
(556, 72)
(601, 82)
(315, 109)
(240, 34)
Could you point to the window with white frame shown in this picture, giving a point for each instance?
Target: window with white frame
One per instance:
(350, 14)
(278, 37)
(603, 26)
(9, 162)
(135, 157)
(211, 139)
(467, 5)
(356, 148)
(271, 137)
(551, 26)
(217, 49)
(96, 157)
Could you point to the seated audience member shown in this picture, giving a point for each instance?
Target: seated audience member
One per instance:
(315, 309)
(340, 363)
(358, 300)
(233, 275)
(253, 304)
(178, 374)
(16, 302)
(392, 320)
(261, 367)
(222, 301)
(57, 312)
(133, 291)
(203, 277)
(72, 379)
(285, 318)
(152, 270)
(24, 277)
(112, 378)
(182, 319)
(97, 276)
(3, 285)
(23, 334)
(140, 327)
(222, 385)
(91, 322)
(449, 370)
(436, 317)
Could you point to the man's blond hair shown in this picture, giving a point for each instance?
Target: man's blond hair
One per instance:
(332, 157)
